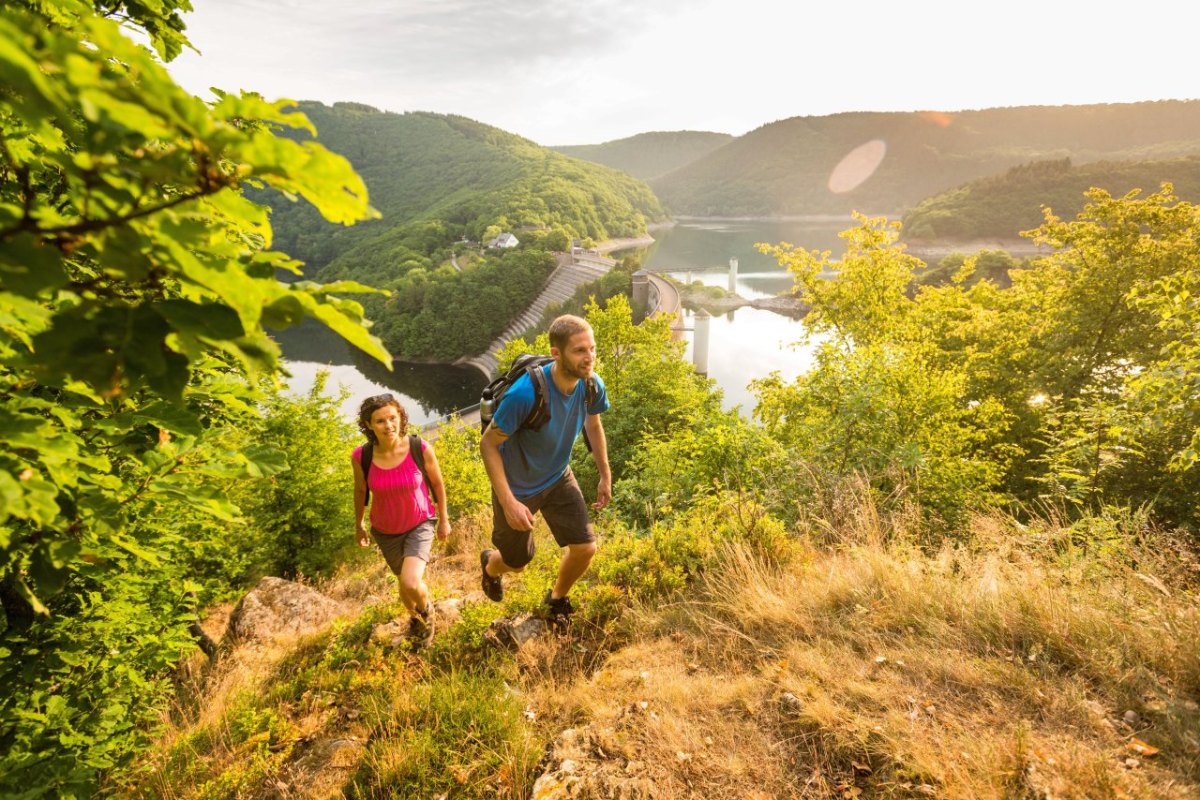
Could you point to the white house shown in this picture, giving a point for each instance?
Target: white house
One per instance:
(504, 240)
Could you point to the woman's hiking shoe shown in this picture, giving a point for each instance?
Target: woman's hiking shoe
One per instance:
(491, 586)
(559, 611)
(420, 627)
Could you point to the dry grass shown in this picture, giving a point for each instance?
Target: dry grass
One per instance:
(974, 673)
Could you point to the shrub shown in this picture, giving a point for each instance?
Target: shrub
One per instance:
(302, 521)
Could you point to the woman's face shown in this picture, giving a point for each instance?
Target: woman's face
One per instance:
(385, 423)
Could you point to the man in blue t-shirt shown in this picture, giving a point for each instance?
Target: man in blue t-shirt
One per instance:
(530, 469)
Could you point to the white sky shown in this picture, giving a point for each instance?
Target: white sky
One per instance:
(588, 71)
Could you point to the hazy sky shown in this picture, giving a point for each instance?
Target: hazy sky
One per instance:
(581, 72)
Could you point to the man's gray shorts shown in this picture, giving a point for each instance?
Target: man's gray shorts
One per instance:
(398, 546)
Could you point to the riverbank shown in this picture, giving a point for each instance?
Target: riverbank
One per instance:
(931, 252)
(623, 244)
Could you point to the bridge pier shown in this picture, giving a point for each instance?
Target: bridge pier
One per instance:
(701, 321)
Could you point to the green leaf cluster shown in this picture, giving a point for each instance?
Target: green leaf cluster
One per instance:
(136, 286)
(300, 520)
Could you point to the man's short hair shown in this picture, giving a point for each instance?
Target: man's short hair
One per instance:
(564, 327)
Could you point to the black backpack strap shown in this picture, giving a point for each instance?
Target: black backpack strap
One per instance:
(364, 459)
(590, 392)
(418, 455)
(539, 415)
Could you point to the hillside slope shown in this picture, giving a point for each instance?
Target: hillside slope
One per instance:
(437, 178)
(864, 669)
(1001, 206)
(650, 155)
(444, 186)
(887, 162)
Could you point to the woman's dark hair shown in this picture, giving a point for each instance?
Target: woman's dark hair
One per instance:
(373, 404)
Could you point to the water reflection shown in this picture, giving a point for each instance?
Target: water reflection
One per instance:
(427, 392)
(746, 343)
(750, 343)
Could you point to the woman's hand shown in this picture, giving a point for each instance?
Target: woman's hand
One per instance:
(363, 539)
(443, 529)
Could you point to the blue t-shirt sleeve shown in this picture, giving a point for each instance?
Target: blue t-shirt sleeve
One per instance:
(514, 406)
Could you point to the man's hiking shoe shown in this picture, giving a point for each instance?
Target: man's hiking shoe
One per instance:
(559, 611)
(420, 627)
(491, 586)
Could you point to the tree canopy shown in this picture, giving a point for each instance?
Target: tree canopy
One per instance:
(1070, 387)
(1001, 206)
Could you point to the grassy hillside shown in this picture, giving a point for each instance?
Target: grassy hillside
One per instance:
(650, 155)
(786, 167)
(1018, 665)
(1002, 206)
(436, 178)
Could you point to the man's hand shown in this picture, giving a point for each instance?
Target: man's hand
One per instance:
(443, 529)
(363, 539)
(603, 493)
(519, 517)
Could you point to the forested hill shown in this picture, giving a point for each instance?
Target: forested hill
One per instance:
(788, 167)
(650, 155)
(1001, 206)
(436, 178)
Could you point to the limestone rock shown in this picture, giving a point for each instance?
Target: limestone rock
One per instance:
(448, 611)
(512, 634)
(278, 608)
(584, 763)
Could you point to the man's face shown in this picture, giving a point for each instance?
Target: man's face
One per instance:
(578, 358)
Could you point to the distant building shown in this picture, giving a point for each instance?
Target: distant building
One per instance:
(504, 240)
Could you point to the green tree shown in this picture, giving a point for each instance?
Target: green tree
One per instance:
(970, 391)
(136, 284)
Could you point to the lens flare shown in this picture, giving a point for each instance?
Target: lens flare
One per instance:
(939, 118)
(858, 165)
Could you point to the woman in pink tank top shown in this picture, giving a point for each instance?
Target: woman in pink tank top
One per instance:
(406, 511)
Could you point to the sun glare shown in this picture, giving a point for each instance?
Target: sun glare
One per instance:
(857, 165)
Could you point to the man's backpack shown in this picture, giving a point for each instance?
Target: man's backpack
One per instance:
(414, 448)
(532, 365)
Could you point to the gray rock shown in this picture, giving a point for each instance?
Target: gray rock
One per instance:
(789, 702)
(513, 633)
(448, 611)
(278, 608)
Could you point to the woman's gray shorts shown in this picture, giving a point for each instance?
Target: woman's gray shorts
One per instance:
(398, 546)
